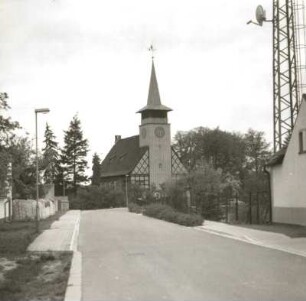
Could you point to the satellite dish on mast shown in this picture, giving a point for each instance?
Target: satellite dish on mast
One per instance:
(260, 15)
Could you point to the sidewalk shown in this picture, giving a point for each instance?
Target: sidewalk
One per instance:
(61, 235)
(287, 238)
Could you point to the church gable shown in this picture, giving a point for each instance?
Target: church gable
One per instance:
(141, 173)
(142, 168)
(177, 167)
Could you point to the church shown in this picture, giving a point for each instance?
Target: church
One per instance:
(147, 159)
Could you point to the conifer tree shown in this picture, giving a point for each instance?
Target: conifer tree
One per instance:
(50, 156)
(74, 154)
(96, 170)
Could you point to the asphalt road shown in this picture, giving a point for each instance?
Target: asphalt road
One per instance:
(131, 257)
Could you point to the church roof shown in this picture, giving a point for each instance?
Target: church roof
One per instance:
(122, 158)
(154, 102)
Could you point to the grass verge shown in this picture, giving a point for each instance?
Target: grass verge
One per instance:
(26, 275)
(37, 276)
(16, 236)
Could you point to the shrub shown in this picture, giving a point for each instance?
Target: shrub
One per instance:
(135, 208)
(167, 213)
(174, 195)
(95, 197)
(136, 194)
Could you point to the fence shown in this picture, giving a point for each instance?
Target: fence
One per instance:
(252, 207)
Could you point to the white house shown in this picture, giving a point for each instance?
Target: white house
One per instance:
(288, 176)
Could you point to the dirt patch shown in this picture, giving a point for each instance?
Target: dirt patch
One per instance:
(50, 271)
(35, 276)
(5, 266)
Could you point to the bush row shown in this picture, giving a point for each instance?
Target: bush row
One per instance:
(96, 197)
(133, 207)
(166, 213)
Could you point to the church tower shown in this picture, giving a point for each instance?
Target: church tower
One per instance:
(154, 133)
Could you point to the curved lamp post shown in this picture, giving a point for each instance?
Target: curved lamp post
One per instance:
(37, 111)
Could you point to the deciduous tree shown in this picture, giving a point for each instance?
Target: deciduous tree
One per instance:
(7, 127)
(257, 150)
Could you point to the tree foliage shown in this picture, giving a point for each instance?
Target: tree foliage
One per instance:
(239, 157)
(23, 168)
(222, 149)
(96, 170)
(7, 126)
(50, 156)
(257, 150)
(74, 154)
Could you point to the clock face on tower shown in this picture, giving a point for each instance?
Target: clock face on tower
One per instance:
(159, 132)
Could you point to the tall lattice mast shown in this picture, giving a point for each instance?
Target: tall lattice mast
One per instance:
(285, 76)
(289, 66)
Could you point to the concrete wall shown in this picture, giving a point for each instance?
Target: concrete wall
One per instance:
(6, 195)
(2, 201)
(4, 209)
(288, 180)
(63, 203)
(26, 209)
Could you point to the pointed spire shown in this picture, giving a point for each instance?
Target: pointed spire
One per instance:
(154, 102)
(153, 98)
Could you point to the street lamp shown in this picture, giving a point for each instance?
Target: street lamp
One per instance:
(126, 191)
(37, 111)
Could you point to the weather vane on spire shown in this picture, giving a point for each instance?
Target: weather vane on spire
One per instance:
(152, 49)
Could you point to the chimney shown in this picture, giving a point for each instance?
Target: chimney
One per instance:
(117, 138)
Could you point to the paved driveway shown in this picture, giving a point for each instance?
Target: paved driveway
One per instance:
(132, 257)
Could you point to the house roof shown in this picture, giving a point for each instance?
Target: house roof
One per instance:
(277, 158)
(122, 158)
(154, 102)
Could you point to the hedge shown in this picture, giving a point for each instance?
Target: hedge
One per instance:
(166, 213)
(135, 208)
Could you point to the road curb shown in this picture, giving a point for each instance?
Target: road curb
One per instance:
(74, 285)
(251, 241)
(74, 239)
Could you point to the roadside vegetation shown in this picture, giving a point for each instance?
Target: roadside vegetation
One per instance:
(166, 213)
(26, 276)
(96, 197)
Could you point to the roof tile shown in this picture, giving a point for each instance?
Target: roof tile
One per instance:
(123, 157)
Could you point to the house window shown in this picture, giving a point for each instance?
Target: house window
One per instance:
(141, 180)
(302, 141)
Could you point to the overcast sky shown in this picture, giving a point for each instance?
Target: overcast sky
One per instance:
(90, 58)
